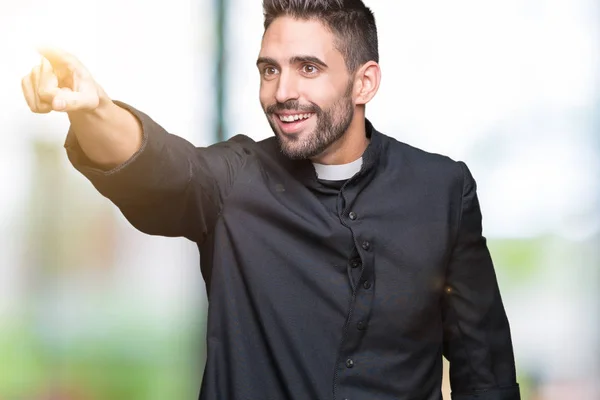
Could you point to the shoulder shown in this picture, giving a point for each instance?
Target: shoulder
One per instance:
(405, 155)
(424, 168)
(243, 151)
(246, 144)
(238, 142)
(237, 147)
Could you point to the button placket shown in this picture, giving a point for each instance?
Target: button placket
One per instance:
(362, 308)
(360, 265)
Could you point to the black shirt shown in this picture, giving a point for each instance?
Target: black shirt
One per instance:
(319, 292)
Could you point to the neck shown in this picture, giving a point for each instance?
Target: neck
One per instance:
(350, 146)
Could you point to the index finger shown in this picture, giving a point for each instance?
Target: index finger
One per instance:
(59, 58)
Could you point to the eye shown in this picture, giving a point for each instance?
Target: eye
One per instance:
(269, 71)
(310, 69)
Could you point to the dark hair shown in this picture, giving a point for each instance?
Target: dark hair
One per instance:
(351, 22)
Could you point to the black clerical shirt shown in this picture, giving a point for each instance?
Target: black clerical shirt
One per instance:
(318, 292)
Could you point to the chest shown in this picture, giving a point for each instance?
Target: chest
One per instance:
(406, 222)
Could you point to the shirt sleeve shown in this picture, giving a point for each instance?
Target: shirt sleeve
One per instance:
(477, 339)
(169, 187)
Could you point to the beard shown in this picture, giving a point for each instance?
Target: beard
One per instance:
(332, 124)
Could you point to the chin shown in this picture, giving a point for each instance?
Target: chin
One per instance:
(299, 150)
(292, 149)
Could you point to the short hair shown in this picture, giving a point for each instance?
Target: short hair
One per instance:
(351, 22)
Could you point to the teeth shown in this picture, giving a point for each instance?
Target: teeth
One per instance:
(292, 118)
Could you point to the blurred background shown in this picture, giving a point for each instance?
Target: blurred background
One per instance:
(92, 309)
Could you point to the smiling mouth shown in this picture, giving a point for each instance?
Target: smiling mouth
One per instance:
(290, 118)
(291, 124)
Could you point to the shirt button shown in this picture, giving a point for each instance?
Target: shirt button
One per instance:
(352, 215)
(361, 325)
(349, 363)
(367, 285)
(355, 263)
(366, 245)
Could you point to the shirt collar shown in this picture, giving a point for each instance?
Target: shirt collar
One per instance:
(305, 171)
(340, 172)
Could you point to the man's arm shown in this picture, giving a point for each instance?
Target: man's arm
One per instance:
(109, 135)
(477, 339)
(162, 183)
(168, 187)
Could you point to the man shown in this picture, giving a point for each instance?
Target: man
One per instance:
(339, 262)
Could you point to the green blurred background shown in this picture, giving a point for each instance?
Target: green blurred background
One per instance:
(92, 309)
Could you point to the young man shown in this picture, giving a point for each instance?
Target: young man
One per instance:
(339, 262)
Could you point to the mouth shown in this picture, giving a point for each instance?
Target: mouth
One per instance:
(293, 123)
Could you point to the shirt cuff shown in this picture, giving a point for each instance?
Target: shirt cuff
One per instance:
(503, 393)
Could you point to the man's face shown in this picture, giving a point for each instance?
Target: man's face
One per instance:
(306, 89)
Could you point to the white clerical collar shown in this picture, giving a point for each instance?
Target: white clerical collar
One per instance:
(340, 172)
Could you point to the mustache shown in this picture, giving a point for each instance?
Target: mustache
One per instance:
(292, 105)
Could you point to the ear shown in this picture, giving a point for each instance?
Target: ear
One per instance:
(367, 80)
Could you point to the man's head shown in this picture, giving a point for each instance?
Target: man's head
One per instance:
(318, 66)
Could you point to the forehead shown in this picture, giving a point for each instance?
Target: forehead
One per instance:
(287, 36)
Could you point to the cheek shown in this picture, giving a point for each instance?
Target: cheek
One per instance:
(322, 93)
(261, 94)
(266, 94)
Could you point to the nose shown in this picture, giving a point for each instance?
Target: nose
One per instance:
(287, 88)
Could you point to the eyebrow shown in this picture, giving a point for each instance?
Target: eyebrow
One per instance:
(293, 60)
